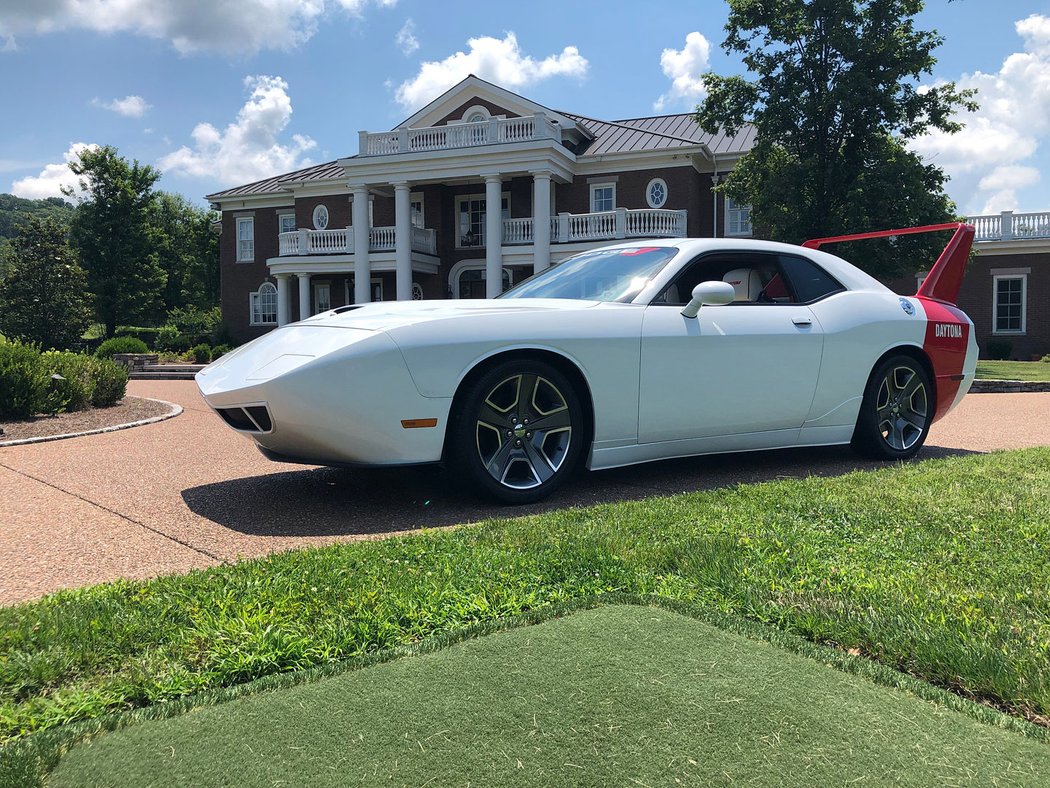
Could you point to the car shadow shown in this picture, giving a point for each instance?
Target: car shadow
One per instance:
(344, 502)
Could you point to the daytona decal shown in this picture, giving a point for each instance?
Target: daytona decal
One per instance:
(947, 338)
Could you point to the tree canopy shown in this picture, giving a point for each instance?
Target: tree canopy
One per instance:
(111, 234)
(187, 251)
(45, 299)
(834, 93)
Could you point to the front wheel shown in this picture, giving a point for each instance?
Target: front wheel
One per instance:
(519, 432)
(896, 412)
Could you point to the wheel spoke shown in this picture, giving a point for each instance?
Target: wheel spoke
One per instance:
(541, 466)
(913, 385)
(897, 434)
(526, 394)
(556, 420)
(491, 417)
(501, 460)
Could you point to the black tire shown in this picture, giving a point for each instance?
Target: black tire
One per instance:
(525, 458)
(897, 410)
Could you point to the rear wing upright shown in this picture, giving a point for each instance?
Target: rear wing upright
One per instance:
(945, 277)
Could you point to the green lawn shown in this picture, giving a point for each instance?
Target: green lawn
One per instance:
(619, 695)
(1013, 370)
(937, 568)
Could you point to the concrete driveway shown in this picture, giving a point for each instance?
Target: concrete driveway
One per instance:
(189, 492)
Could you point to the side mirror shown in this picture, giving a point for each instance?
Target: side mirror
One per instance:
(709, 293)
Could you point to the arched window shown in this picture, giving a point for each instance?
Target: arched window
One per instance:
(467, 279)
(264, 305)
(476, 114)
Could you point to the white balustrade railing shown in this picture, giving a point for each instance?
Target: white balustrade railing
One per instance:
(655, 223)
(424, 240)
(517, 231)
(380, 239)
(1010, 226)
(458, 135)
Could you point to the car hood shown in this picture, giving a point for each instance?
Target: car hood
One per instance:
(386, 315)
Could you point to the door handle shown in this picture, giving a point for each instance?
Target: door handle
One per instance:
(802, 321)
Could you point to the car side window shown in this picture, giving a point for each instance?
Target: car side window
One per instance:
(754, 276)
(806, 279)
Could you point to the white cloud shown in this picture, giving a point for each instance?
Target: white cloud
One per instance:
(248, 149)
(685, 68)
(497, 60)
(244, 27)
(53, 177)
(985, 159)
(406, 38)
(129, 106)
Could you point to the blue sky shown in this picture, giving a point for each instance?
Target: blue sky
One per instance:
(218, 93)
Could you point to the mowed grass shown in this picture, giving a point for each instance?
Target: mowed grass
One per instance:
(619, 695)
(938, 568)
(1013, 370)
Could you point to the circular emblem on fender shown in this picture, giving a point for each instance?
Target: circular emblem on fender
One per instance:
(906, 305)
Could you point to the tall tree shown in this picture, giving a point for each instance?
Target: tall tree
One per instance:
(111, 234)
(45, 299)
(187, 250)
(834, 94)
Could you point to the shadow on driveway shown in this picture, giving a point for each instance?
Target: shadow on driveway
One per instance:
(342, 502)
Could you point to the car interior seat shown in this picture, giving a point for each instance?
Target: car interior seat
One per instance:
(746, 282)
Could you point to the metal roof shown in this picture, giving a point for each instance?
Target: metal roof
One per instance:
(277, 184)
(658, 132)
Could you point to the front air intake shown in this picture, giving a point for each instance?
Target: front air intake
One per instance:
(252, 418)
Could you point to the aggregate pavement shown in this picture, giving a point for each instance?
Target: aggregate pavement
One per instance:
(188, 492)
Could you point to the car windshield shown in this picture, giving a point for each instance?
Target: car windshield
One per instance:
(598, 275)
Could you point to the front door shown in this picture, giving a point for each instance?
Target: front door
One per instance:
(733, 369)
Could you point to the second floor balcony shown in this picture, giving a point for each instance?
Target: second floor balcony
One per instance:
(493, 131)
(618, 224)
(1010, 226)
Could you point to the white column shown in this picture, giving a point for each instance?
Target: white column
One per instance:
(493, 236)
(403, 240)
(304, 296)
(362, 270)
(283, 299)
(541, 220)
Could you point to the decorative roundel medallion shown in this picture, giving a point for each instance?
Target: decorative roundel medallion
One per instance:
(320, 218)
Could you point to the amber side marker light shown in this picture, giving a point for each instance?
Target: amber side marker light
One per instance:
(415, 424)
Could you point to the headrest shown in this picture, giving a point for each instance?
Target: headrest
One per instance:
(746, 282)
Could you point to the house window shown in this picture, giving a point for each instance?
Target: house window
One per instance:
(377, 290)
(476, 114)
(738, 218)
(656, 193)
(603, 197)
(245, 239)
(417, 291)
(322, 297)
(320, 218)
(416, 210)
(286, 222)
(467, 279)
(471, 212)
(264, 305)
(1010, 294)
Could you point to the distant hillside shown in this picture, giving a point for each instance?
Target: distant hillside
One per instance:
(13, 209)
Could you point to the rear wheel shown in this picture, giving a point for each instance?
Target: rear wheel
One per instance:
(519, 432)
(897, 410)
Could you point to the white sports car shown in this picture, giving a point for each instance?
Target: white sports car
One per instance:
(620, 355)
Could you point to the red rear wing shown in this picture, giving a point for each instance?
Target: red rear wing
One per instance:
(944, 279)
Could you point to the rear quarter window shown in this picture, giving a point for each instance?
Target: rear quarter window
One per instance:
(808, 280)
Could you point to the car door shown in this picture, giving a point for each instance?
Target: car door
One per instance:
(735, 368)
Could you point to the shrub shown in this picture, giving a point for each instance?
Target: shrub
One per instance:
(170, 340)
(999, 350)
(1046, 359)
(121, 345)
(23, 381)
(147, 335)
(111, 382)
(74, 388)
(222, 350)
(201, 353)
(198, 325)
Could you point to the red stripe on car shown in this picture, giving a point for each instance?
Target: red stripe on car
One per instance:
(947, 337)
